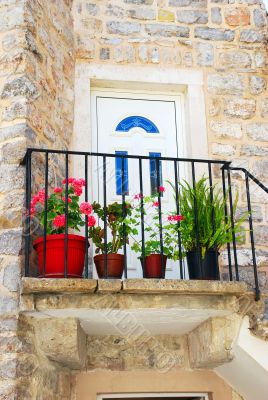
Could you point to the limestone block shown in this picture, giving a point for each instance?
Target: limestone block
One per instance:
(245, 258)
(123, 28)
(258, 131)
(147, 2)
(146, 351)
(12, 18)
(237, 16)
(257, 84)
(260, 59)
(192, 17)
(251, 150)
(114, 11)
(235, 59)
(18, 108)
(260, 169)
(13, 152)
(261, 234)
(166, 15)
(225, 84)
(8, 304)
(143, 53)
(167, 30)
(190, 3)
(62, 340)
(216, 16)
(162, 286)
(240, 108)
(210, 344)
(259, 17)
(92, 9)
(37, 285)
(252, 36)
(223, 149)
(214, 34)
(104, 53)
(10, 241)
(226, 129)
(205, 54)
(142, 14)
(22, 86)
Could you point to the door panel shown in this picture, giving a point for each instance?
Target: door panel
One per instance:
(136, 124)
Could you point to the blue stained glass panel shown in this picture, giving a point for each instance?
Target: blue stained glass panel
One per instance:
(136, 121)
(119, 171)
(153, 173)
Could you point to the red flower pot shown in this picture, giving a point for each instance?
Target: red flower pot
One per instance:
(115, 265)
(153, 266)
(55, 255)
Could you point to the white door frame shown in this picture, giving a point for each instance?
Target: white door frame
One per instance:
(149, 395)
(169, 80)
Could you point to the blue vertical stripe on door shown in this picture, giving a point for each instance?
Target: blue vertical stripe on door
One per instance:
(153, 173)
(118, 173)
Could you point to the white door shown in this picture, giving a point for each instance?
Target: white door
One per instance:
(137, 124)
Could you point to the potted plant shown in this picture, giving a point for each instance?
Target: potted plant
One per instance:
(214, 227)
(117, 231)
(150, 256)
(55, 229)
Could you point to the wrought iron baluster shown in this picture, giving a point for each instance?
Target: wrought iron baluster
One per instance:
(226, 221)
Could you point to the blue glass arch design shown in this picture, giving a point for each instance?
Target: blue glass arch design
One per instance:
(135, 121)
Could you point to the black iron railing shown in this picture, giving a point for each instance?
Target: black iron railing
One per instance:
(40, 163)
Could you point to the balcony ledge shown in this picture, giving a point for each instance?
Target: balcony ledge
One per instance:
(133, 286)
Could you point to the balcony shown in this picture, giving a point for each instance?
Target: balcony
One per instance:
(144, 200)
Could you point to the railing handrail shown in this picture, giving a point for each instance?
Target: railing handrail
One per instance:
(246, 172)
(96, 154)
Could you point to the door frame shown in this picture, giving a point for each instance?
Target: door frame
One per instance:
(186, 82)
(105, 396)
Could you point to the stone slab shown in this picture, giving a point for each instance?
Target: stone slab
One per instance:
(109, 285)
(37, 285)
(184, 287)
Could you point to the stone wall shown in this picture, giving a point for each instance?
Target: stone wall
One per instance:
(227, 40)
(36, 109)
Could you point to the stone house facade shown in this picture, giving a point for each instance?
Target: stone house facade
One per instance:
(51, 53)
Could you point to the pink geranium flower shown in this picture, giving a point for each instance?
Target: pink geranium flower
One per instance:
(91, 221)
(138, 196)
(80, 182)
(78, 191)
(86, 208)
(77, 185)
(156, 204)
(41, 196)
(59, 221)
(176, 218)
(162, 189)
(70, 180)
(69, 199)
(57, 190)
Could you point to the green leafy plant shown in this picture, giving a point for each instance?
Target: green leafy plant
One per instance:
(56, 205)
(152, 243)
(200, 209)
(116, 217)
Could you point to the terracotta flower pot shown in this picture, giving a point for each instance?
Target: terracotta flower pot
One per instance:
(209, 265)
(115, 265)
(55, 255)
(153, 266)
